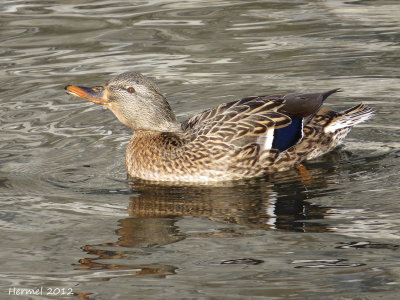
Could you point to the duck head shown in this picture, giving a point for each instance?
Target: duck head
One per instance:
(134, 99)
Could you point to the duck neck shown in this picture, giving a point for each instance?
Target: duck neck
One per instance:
(151, 134)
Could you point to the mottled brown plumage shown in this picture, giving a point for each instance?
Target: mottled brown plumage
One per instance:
(240, 139)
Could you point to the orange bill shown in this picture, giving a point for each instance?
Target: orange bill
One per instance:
(95, 94)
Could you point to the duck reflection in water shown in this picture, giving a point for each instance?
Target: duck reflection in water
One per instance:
(275, 203)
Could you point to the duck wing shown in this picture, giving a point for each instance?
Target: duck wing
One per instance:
(301, 108)
(238, 123)
(272, 122)
(305, 105)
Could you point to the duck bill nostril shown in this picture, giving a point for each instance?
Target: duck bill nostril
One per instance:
(95, 94)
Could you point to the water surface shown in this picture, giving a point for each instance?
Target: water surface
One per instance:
(70, 219)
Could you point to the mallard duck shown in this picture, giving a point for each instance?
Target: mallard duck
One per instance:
(241, 139)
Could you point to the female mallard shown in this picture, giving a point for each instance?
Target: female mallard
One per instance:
(240, 139)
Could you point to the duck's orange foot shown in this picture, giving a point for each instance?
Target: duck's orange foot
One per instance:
(305, 176)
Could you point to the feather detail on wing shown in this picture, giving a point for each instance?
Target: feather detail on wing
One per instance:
(250, 120)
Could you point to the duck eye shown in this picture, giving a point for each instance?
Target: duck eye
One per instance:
(130, 90)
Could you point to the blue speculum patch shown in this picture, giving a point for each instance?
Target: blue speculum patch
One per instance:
(288, 136)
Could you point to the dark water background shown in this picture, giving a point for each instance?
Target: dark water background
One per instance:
(70, 220)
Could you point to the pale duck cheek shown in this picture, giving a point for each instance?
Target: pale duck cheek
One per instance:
(119, 114)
